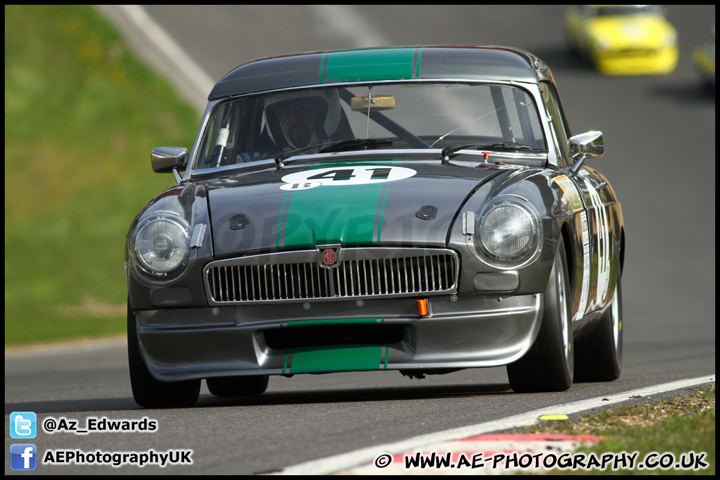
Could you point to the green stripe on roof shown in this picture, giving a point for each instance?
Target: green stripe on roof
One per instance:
(367, 65)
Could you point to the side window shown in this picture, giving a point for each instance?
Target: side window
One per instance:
(233, 128)
(558, 123)
(206, 150)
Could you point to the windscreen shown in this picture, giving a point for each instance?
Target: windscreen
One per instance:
(397, 115)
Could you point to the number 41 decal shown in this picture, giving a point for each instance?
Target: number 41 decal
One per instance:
(344, 176)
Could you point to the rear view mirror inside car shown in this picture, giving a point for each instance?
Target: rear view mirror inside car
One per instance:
(378, 102)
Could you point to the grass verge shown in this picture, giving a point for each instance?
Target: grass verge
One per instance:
(81, 116)
(659, 431)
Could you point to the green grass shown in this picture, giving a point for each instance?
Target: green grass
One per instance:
(81, 115)
(676, 426)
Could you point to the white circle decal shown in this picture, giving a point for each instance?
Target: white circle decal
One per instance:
(344, 176)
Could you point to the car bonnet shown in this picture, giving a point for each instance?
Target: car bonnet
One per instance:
(378, 202)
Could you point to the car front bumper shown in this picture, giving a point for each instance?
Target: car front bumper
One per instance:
(323, 337)
(657, 62)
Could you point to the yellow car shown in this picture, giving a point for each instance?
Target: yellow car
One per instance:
(704, 59)
(624, 39)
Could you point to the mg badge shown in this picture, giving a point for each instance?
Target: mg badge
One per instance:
(329, 256)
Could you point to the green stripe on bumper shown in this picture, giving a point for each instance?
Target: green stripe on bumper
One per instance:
(334, 359)
(334, 321)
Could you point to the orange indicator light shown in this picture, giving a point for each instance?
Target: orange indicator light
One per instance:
(422, 307)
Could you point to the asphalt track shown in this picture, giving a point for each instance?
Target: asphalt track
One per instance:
(660, 143)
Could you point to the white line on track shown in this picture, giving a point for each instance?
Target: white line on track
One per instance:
(345, 21)
(181, 61)
(63, 347)
(342, 462)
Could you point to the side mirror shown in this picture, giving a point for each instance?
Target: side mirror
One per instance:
(169, 159)
(584, 146)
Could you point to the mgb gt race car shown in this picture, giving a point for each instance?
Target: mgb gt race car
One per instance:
(418, 209)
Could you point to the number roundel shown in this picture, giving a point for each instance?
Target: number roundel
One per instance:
(344, 176)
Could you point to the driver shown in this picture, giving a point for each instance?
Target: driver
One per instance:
(297, 120)
(301, 119)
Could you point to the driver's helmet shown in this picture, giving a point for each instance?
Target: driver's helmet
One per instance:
(327, 117)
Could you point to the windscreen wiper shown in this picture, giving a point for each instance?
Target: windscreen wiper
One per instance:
(508, 146)
(339, 146)
(354, 144)
(511, 146)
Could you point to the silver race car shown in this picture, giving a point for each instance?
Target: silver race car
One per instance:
(419, 209)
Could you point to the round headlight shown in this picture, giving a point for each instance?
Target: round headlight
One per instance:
(162, 245)
(509, 233)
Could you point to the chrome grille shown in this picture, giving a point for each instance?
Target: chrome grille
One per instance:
(293, 276)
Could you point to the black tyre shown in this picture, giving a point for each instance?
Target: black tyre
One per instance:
(549, 364)
(599, 353)
(147, 391)
(239, 386)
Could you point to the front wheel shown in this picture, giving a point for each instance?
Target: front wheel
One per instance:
(549, 364)
(147, 391)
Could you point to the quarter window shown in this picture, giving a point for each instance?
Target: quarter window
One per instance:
(558, 123)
